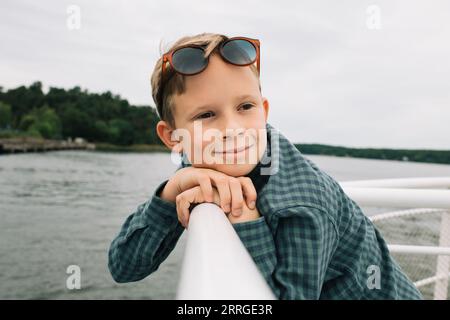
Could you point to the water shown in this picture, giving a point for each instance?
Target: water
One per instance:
(63, 208)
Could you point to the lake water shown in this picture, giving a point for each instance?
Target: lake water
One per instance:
(64, 208)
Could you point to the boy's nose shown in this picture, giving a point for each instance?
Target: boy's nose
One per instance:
(232, 132)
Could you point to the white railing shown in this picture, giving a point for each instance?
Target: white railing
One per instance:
(216, 264)
(426, 194)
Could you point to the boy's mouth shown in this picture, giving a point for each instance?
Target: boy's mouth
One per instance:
(235, 150)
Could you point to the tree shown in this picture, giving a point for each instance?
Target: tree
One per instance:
(42, 122)
(121, 132)
(5, 116)
(76, 123)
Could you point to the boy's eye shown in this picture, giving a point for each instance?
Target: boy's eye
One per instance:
(246, 106)
(205, 115)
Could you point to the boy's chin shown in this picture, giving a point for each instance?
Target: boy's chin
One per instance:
(234, 170)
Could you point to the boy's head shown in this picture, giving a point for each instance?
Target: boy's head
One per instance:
(213, 115)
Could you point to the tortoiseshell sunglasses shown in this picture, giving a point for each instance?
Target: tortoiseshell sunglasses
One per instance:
(190, 59)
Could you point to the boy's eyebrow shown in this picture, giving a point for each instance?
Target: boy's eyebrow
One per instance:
(245, 96)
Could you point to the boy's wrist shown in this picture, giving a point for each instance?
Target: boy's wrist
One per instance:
(168, 193)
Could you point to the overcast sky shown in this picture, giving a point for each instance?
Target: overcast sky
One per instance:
(352, 73)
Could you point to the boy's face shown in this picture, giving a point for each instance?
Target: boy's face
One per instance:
(224, 115)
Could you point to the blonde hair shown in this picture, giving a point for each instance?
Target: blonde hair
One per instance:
(174, 83)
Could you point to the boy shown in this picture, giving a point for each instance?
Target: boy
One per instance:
(309, 240)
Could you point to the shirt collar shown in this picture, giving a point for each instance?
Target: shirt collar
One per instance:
(257, 175)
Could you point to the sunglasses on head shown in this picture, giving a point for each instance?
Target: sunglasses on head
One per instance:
(190, 59)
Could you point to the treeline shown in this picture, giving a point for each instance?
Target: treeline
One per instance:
(60, 114)
(434, 156)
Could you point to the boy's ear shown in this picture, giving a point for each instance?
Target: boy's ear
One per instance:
(265, 107)
(164, 131)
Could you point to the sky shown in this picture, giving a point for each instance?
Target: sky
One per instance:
(350, 73)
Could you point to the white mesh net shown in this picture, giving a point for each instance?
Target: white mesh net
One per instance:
(420, 227)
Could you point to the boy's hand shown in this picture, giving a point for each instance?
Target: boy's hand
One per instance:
(232, 190)
(247, 215)
(195, 195)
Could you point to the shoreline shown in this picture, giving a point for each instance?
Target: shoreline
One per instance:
(31, 144)
(106, 147)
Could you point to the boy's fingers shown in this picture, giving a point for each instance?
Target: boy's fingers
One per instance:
(184, 201)
(216, 197)
(180, 213)
(190, 177)
(205, 184)
(220, 181)
(249, 191)
(237, 198)
(224, 193)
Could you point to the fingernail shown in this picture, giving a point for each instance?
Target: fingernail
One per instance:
(226, 208)
(237, 212)
(252, 204)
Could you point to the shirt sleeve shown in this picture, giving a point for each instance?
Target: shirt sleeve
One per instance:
(145, 239)
(258, 240)
(305, 241)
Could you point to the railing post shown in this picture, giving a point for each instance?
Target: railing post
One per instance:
(216, 264)
(443, 262)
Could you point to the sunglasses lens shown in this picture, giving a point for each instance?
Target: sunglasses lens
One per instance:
(189, 60)
(240, 52)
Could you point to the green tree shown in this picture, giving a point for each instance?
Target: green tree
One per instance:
(101, 131)
(42, 122)
(76, 123)
(121, 132)
(22, 100)
(5, 116)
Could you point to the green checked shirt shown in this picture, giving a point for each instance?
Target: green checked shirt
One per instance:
(311, 242)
